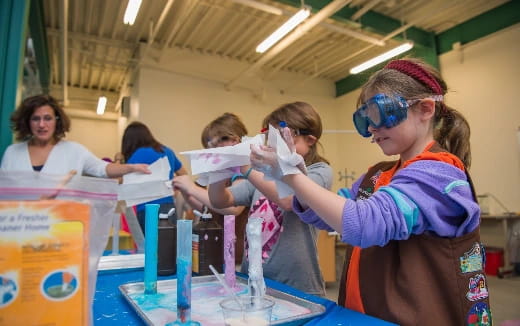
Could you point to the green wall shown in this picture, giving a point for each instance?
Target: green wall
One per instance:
(13, 23)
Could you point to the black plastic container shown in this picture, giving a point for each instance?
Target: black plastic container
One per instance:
(208, 246)
(167, 246)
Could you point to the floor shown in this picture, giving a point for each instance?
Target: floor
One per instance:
(504, 295)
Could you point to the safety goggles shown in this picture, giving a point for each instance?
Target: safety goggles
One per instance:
(294, 132)
(219, 141)
(383, 110)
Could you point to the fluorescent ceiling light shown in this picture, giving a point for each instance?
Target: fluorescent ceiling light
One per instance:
(131, 11)
(383, 57)
(288, 26)
(102, 103)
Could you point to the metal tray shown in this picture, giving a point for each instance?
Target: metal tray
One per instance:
(160, 308)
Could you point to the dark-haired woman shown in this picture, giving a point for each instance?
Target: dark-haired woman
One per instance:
(140, 146)
(40, 124)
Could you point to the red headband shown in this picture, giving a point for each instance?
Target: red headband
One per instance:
(416, 72)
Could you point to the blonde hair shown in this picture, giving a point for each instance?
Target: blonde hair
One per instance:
(452, 130)
(303, 117)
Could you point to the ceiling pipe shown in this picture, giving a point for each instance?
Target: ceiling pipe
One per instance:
(300, 31)
(64, 18)
(387, 37)
(157, 27)
(91, 39)
(354, 34)
(365, 9)
(346, 31)
(260, 6)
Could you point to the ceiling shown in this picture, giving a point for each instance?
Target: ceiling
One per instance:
(102, 51)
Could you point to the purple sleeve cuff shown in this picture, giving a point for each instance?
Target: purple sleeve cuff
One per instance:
(308, 216)
(351, 226)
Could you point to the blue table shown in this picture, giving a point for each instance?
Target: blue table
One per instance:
(110, 307)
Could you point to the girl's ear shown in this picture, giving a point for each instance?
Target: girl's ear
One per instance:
(427, 107)
(311, 140)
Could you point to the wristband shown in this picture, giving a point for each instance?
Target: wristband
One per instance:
(248, 172)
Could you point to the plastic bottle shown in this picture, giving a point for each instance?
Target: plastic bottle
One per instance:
(167, 246)
(208, 245)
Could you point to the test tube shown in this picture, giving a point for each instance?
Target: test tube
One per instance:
(229, 250)
(151, 227)
(256, 283)
(184, 261)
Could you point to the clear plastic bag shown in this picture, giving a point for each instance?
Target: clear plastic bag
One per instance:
(100, 194)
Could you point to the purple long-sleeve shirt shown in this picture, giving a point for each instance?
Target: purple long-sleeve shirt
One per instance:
(426, 196)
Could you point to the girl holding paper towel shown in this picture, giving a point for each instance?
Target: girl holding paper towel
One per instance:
(140, 146)
(289, 250)
(40, 124)
(226, 130)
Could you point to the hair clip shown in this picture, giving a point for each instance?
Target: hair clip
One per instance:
(263, 130)
(282, 124)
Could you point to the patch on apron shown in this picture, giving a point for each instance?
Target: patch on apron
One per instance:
(472, 260)
(479, 315)
(477, 288)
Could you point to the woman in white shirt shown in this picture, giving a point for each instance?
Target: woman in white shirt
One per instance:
(40, 124)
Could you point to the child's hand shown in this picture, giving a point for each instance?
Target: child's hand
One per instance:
(207, 178)
(289, 140)
(183, 183)
(142, 168)
(264, 159)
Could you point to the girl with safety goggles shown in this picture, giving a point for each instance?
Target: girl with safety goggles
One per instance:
(226, 130)
(383, 110)
(412, 225)
(286, 240)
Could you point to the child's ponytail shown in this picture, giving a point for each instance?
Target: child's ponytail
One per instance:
(453, 133)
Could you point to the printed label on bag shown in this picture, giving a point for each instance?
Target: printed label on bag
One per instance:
(44, 263)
